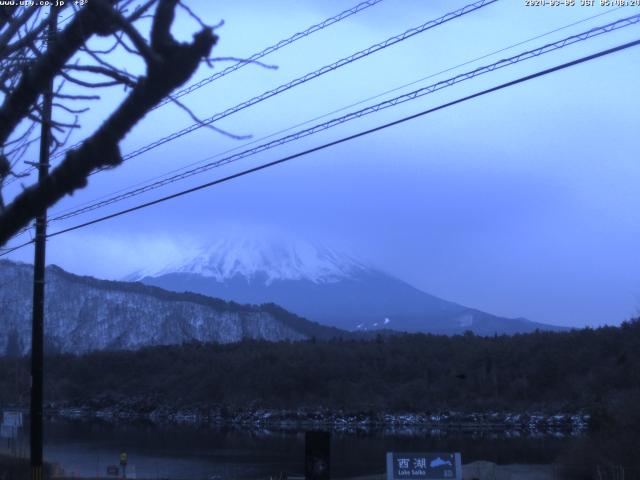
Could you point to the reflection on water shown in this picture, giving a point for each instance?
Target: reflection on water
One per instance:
(203, 452)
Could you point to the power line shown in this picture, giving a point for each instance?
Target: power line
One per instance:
(432, 75)
(567, 41)
(7, 251)
(361, 113)
(312, 75)
(348, 138)
(351, 116)
(271, 49)
(282, 88)
(306, 122)
(258, 55)
(300, 80)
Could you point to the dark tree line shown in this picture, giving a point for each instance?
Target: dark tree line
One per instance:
(595, 369)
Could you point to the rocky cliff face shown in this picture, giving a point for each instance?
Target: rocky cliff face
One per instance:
(84, 314)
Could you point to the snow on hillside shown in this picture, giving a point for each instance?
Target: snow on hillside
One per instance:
(84, 314)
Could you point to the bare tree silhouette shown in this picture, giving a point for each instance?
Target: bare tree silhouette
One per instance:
(80, 59)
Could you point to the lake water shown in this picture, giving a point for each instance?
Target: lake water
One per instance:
(202, 452)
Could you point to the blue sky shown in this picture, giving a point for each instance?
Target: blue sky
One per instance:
(520, 203)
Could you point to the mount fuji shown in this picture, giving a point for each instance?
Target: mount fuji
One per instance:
(322, 285)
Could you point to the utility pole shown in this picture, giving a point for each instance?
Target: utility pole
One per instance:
(37, 332)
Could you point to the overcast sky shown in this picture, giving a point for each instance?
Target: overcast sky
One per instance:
(521, 203)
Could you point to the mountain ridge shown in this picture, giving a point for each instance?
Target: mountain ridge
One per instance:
(83, 314)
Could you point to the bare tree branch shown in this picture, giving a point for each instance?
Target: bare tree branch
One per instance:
(193, 15)
(118, 77)
(173, 64)
(140, 11)
(16, 106)
(199, 121)
(14, 27)
(242, 60)
(69, 109)
(91, 84)
(140, 43)
(26, 40)
(76, 97)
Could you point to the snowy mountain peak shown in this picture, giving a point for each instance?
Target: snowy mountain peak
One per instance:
(319, 284)
(264, 258)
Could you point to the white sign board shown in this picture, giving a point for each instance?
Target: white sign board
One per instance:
(424, 466)
(12, 418)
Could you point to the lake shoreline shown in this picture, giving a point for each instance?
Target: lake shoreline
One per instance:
(529, 423)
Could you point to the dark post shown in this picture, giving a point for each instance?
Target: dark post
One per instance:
(37, 332)
(317, 453)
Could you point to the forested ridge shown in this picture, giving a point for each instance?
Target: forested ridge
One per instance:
(571, 371)
(593, 372)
